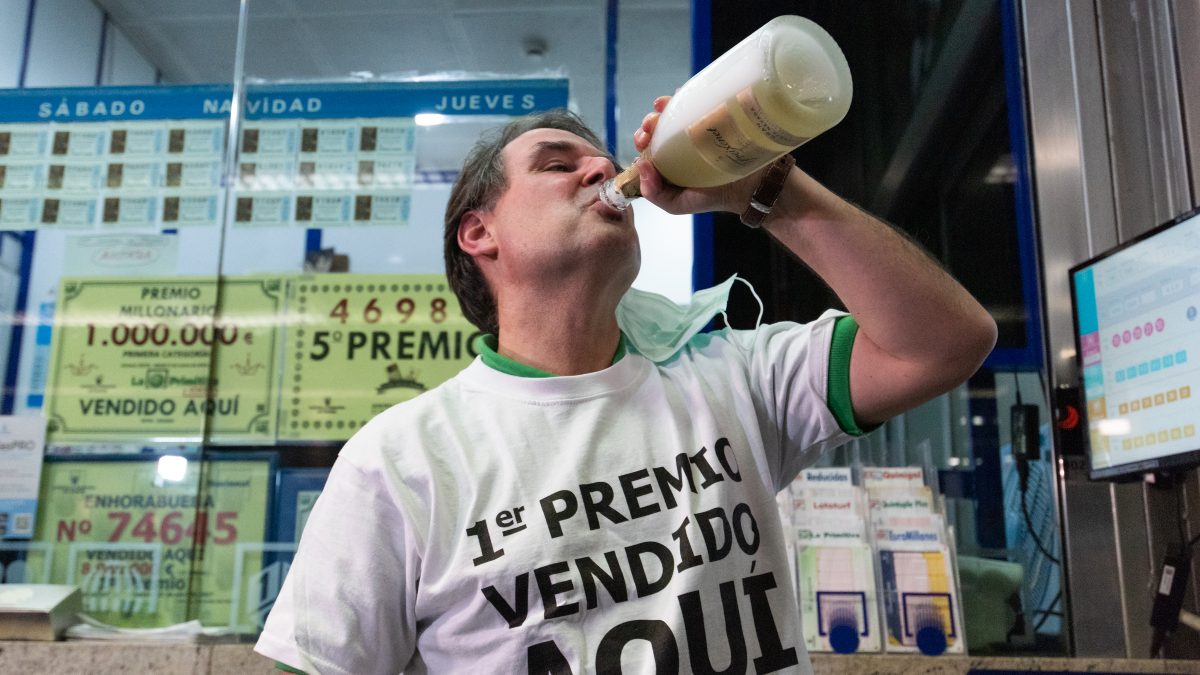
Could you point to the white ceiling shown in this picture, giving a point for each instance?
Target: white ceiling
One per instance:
(190, 42)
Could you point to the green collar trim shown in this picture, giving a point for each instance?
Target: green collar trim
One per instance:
(486, 345)
(288, 669)
(837, 396)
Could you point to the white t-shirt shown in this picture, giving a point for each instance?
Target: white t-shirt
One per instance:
(622, 521)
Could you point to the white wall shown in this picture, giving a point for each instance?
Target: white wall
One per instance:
(666, 252)
(65, 46)
(123, 65)
(13, 15)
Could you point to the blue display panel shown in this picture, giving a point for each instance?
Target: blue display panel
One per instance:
(278, 101)
(296, 493)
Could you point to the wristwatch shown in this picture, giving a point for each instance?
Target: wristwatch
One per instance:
(767, 192)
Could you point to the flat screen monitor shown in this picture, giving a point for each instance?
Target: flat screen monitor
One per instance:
(1137, 340)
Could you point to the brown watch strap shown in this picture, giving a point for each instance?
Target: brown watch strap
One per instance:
(768, 191)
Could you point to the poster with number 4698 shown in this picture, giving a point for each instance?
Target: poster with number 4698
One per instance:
(359, 344)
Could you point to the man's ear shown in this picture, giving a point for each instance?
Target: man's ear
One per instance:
(474, 236)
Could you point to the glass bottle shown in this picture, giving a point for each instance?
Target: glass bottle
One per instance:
(781, 86)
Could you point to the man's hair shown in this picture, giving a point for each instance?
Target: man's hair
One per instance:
(479, 185)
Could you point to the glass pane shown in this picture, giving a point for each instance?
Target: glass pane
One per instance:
(355, 121)
(942, 169)
(112, 153)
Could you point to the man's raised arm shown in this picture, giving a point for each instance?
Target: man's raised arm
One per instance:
(920, 332)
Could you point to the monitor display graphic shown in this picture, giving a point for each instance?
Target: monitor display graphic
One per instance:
(1138, 345)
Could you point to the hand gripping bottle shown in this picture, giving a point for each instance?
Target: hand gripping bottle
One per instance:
(781, 86)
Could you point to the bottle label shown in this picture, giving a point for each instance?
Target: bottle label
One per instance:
(763, 123)
(737, 148)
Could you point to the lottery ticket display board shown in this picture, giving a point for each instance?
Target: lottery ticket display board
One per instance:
(325, 173)
(344, 155)
(141, 539)
(145, 158)
(112, 159)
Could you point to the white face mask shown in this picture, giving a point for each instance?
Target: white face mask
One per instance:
(658, 328)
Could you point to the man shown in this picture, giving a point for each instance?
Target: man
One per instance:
(565, 505)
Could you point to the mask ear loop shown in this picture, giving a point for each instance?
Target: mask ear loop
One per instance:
(758, 321)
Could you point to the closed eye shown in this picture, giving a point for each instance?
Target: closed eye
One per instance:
(557, 166)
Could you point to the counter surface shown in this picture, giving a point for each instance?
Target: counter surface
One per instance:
(188, 659)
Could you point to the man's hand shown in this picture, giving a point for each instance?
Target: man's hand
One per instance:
(732, 198)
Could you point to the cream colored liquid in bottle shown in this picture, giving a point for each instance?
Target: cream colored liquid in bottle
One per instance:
(781, 86)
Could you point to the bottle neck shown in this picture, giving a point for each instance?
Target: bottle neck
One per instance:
(620, 190)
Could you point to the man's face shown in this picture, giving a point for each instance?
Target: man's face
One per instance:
(549, 220)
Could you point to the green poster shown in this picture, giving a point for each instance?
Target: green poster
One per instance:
(131, 360)
(358, 344)
(127, 531)
(245, 392)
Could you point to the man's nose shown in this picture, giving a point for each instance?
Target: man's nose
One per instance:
(597, 170)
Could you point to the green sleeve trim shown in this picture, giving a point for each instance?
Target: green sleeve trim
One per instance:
(837, 397)
(288, 669)
(486, 345)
